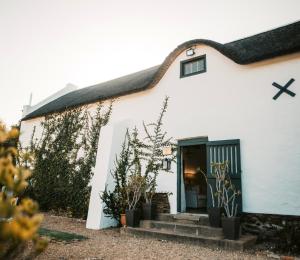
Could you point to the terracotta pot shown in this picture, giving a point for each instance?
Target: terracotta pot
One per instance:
(123, 219)
(215, 216)
(231, 228)
(133, 217)
(149, 211)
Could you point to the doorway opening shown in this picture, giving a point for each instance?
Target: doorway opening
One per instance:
(199, 153)
(195, 186)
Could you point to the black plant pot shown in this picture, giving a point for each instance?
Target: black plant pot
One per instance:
(215, 216)
(231, 228)
(133, 217)
(149, 211)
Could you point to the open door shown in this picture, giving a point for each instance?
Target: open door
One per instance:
(220, 151)
(194, 182)
(191, 185)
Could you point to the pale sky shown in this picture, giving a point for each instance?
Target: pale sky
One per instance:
(45, 44)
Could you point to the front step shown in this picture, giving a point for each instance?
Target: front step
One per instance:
(182, 228)
(189, 218)
(241, 244)
(185, 218)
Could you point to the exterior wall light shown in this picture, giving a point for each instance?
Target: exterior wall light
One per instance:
(166, 164)
(190, 52)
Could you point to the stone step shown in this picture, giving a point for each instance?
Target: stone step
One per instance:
(241, 244)
(189, 218)
(185, 218)
(165, 217)
(182, 228)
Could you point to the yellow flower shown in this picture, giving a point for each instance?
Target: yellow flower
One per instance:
(29, 206)
(40, 244)
(21, 221)
(13, 133)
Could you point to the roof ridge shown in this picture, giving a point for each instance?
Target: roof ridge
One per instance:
(264, 32)
(126, 75)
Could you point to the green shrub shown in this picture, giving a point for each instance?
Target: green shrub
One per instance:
(115, 201)
(64, 158)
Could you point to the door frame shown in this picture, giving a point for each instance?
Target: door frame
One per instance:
(180, 144)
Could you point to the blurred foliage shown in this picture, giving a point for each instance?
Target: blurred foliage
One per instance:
(64, 157)
(19, 220)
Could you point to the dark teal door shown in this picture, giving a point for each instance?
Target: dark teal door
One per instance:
(181, 145)
(220, 151)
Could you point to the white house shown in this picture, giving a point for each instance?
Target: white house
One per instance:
(237, 101)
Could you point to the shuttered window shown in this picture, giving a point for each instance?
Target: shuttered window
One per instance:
(193, 66)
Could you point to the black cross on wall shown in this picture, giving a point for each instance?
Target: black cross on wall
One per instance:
(283, 89)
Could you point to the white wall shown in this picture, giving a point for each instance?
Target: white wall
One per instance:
(27, 129)
(232, 101)
(114, 134)
(229, 101)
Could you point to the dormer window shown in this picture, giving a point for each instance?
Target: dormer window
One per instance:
(193, 66)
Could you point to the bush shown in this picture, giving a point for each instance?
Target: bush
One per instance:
(64, 159)
(115, 202)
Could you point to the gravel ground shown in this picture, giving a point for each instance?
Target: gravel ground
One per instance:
(108, 244)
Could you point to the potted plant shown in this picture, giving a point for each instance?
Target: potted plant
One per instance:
(215, 216)
(150, 151)
(215, 212)
(149, 188)
(134, 192)
(231, 222)
(123, 219)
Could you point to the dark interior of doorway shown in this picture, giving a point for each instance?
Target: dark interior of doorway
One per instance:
(194, 159)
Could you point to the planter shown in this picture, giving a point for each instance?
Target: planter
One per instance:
(149, 211)
(215, 216)
(123, 219)
(133, 217)
(231, 228)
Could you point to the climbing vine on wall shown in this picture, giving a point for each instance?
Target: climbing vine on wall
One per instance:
(64, 159)
(142, 157)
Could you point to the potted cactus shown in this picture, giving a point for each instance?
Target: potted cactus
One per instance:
(215, 212)
(231, 222)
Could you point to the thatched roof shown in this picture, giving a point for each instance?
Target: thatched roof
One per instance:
(266, 45)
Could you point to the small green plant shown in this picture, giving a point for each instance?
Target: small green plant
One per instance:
(115, 202)
(134, 190)
(135, 181)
